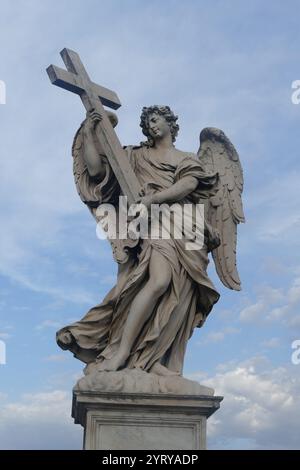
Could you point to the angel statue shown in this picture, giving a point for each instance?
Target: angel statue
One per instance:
(162, 292)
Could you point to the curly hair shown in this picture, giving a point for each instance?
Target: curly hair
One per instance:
(164, 111)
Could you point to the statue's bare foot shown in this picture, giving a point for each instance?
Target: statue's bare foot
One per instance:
(90, 368)
(114, 363)
(159, 369)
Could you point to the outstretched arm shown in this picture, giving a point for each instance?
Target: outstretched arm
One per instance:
(175, 193)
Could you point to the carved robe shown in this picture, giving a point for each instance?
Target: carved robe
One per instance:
(190, 295)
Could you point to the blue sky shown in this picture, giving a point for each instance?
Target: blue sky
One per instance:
(226, 64)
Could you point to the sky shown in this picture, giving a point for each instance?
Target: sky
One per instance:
(222, 63)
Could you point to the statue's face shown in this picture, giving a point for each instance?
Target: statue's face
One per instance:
(158, 126)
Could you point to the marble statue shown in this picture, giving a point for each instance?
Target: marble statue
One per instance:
(162, 291)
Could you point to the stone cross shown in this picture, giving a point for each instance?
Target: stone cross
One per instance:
(93, 97)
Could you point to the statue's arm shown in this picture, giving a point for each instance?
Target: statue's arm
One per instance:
(92, 155)
(177, 191)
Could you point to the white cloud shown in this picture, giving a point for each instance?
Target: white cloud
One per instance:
(271, 343)
(276, 212)
(260, 410)
(294, 292)
(217, 336)
(253, 312)
(267, 296)
(5, 335)
(39, 421)
(260, 406)
(278, 313)
(294, 322)
(279, 305)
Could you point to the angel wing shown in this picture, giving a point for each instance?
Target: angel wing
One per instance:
(224, 210)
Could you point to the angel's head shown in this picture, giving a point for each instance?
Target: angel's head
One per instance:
(157, 120)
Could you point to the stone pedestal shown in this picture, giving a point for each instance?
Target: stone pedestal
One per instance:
(146, 421)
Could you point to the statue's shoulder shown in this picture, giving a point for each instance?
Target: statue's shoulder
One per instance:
(182, 155)
(133, 151)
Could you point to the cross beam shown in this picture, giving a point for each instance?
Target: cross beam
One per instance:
(93, 97)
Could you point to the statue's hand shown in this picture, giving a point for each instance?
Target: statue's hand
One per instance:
(146, 200)
(92, 119)
(212, 237)
(144, 205)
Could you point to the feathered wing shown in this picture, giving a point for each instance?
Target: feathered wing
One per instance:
(224, 209)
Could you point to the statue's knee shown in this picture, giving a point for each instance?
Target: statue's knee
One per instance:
(159, 286)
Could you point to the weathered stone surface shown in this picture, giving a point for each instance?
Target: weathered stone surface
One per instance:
(133, 343)
(126, 421)
(139, 381)
(162, 291)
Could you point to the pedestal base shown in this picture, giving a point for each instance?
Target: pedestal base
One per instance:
(140, 421)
